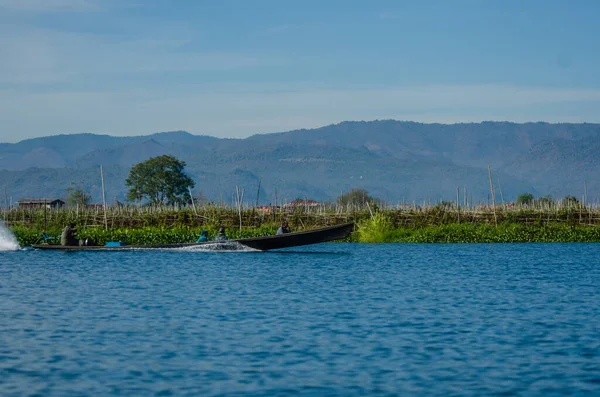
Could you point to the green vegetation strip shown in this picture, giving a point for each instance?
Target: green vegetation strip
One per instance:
(164, 225)
(368, 232)
(380, 230)
(143, 236)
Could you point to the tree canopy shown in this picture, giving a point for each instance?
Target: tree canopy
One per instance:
(545, 201)
(571, 201)
(159, 180)
(525, 199)
(529, 199)
(358, 197)
(78, 196)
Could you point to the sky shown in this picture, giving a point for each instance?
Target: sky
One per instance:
(236, 68)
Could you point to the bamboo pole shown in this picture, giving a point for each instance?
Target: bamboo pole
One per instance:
(458, 204)
(192, 198)
(239, 203)
(371, 212)
(104, 199)
(257, 194)
(45, 211)
(492, 192)
(500, 188)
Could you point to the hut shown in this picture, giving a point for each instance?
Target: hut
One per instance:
(50, 203)
(300, 203)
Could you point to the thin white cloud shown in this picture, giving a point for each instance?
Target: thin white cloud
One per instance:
(51, 5)
(34, 56)
(239, 111)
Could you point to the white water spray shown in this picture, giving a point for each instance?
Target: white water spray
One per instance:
(225, 246)
(8, 242)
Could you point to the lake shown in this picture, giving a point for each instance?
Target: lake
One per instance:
(327, 320)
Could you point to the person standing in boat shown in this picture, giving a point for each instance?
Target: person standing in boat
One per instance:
(67, 237)
(221, 236)
(284, 228)
(203, 237)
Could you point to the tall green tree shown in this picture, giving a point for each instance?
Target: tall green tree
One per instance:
(357, 197)
(570, 201)
(77, 196)
(544, 201)
(159, 180)
(525, 199)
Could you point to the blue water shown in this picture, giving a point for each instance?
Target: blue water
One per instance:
(327, 320)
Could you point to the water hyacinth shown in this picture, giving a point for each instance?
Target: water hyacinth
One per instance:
(437, 224)
(375, 232)
(142, 236)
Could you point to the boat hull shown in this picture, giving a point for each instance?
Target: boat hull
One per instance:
(266, 243)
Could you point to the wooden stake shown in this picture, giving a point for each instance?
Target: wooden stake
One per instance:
(241, 206)
(500, 188)
(45, 222)
(371, 212)
(458, 203)
(192, 198)
(104, 200)
(492, 191)
(257, 194)
(239, 203)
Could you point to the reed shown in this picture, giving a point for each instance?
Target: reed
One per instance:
(376, 229)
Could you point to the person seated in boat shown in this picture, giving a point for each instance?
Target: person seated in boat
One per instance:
(221, 236)
(68, 237)
(284, 228)
(203, 237)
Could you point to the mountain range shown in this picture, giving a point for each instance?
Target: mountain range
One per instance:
(397, 161)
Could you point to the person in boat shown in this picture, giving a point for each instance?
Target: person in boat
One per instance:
(68, 237)
(221, 236)
(203, 237)
(284, 228)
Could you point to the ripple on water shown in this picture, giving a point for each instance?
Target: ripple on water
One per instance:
(335, 319)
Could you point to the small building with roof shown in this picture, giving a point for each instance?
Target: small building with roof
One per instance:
(300, 203)
(50, 203)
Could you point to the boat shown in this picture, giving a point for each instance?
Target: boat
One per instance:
(265, 243)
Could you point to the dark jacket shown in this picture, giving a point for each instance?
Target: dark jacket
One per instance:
(68, 236)
(282, 229)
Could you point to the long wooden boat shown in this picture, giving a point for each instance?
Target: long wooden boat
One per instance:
(265, 243)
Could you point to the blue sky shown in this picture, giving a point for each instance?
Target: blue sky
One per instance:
(237, 68)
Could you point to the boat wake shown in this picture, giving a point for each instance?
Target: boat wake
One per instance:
(225, 246)
(8, 242)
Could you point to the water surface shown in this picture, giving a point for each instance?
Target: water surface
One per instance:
(332, 319)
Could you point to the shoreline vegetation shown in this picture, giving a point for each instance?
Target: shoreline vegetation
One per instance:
(442, 223)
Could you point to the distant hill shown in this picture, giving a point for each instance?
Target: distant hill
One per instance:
(561, 166)
(394, 160)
